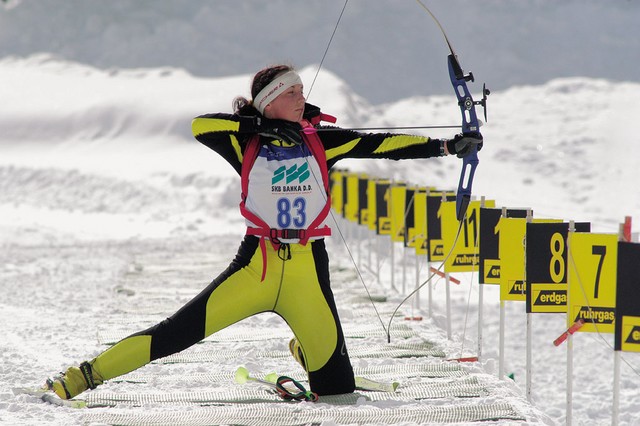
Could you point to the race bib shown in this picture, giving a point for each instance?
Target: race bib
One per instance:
(285, 188)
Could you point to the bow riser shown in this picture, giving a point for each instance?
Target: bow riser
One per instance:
(470, 124)
(463, 195)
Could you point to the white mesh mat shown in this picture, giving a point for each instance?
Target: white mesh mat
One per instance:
(408, 350)
(239, 333)
(293, 414)
(432, 391)
(386, 372)
(467, 387)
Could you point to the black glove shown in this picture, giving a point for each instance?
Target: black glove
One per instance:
(462, 143)
(310, 111)
(287, 131)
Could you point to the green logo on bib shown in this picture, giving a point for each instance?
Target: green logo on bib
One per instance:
(291, 174)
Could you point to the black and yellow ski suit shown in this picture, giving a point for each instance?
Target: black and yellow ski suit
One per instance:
(296, 286)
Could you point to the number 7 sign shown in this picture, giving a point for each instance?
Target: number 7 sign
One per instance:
(592, 278)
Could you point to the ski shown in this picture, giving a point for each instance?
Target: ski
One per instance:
(286, 387)
(50, 397)
(362, 383)
(272, 380)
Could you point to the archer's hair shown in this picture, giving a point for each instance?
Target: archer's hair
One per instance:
(243, 106)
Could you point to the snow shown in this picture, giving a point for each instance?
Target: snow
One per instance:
(100, 180)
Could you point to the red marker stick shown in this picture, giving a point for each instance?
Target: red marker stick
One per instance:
(441, 274)
(575, 327)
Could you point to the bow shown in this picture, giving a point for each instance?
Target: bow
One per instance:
(470, 122)
(470, 125)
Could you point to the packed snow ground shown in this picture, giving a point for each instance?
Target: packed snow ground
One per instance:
(98, 169)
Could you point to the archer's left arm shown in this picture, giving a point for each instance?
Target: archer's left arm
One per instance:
(341, 144)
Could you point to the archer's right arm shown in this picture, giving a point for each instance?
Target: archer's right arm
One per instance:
(226, 134)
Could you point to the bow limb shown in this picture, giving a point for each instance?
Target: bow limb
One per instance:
(470, 122)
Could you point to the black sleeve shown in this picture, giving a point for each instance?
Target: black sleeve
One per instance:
(226, 134)
(339, 144)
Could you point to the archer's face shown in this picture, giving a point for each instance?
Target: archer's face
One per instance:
(289, 105)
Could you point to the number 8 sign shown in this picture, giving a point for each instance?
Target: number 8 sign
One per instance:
(546, 268)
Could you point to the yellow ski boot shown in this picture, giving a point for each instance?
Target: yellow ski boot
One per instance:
(74, 381)
(296, 351)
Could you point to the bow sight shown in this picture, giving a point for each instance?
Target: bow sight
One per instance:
(458, 74)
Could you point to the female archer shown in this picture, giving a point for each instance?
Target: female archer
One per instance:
(276, 144)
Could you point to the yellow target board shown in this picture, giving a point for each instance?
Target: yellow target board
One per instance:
(351, 206)
(383, 207)
(464, 250)
(490, 242)
(363, 205)
(592, 281)
(337, 191)
(398, 197)
(513, 233)
(627, 335)
(435, 243)
(371, 222)
(630, 341)
(418, 234)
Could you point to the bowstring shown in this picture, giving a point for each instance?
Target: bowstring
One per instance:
(344, 241)
(326, 50)
(348, 249)
(427, 281)
(387, 330)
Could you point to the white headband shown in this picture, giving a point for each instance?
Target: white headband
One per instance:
(275, 88)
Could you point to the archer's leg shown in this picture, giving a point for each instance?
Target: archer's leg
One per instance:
(234, 295)
(306, 302)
